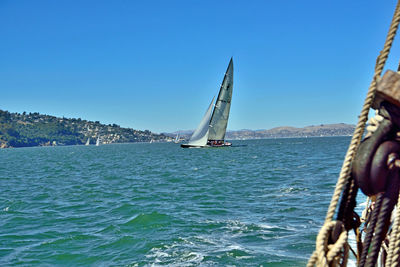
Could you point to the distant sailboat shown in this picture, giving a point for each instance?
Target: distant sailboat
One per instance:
(212, 128)
(87, 142)
(177, 138)
(98, 141)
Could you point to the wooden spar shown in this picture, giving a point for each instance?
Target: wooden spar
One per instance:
(388, 89)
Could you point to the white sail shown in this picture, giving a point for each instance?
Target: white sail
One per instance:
(200, 135)
(219, 120)
(87, 142)
(98, 141)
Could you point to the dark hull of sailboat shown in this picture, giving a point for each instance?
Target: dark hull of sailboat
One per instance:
(227, 144)
(190, 146)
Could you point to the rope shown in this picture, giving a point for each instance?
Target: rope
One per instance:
(380, 231)
(373, 123)
(356, 139)
(394, 242)
(347, 204)
(328, 252)
(370, 230)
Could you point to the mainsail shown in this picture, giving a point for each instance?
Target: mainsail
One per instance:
(219, 119)
(200, 135)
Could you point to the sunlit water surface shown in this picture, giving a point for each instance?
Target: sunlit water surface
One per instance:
(260, 202)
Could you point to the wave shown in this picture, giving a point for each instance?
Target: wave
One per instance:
(148, 220)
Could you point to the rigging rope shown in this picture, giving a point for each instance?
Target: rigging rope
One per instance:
(394, 248)
(344, 175)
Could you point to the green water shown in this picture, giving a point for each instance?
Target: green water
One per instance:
(260, 202)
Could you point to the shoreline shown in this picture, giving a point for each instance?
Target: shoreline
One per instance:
(247, 139)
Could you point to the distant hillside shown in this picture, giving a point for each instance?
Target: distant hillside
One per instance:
(34, 129)
(339, 129)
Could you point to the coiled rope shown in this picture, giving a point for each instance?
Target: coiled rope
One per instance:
(344, 175)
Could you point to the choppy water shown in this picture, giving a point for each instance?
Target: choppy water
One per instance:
(258, 203)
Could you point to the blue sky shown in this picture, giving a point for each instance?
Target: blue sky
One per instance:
(156, 64)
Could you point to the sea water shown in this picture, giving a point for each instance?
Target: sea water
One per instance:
(259, 202)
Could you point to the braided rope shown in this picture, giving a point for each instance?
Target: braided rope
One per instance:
(394, 242)
(380, 229)
(370, 230)
(356, 139)
(396, 257)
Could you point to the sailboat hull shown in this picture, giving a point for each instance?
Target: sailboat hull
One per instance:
(191, 146)
(225, 144)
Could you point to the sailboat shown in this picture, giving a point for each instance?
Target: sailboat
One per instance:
(177, 138)
(98, 141)
(87, 142)
(212, 128)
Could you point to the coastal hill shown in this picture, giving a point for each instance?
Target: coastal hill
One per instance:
(34, 129)
(339, 129)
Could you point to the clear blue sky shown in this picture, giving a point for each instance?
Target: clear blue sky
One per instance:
(156, 64)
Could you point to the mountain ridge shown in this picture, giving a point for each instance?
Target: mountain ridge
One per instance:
(335, 129)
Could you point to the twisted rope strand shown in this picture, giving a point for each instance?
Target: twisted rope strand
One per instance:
(396, 258)
(370, 230)
(328, 253)
(394, 239)
(381, 228)
(313, 259)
